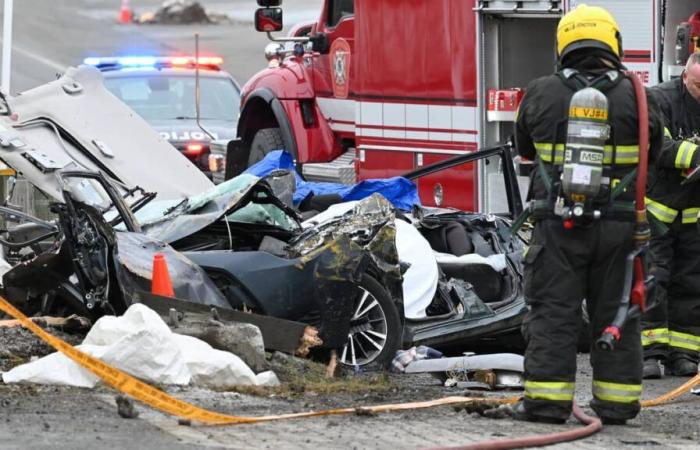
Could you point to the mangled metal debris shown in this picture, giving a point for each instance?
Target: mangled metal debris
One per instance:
(181, 12)
(209, 324)
(495, 371)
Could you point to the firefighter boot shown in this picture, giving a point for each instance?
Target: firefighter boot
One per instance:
(682, 368)
(652, 369)
(518, 412)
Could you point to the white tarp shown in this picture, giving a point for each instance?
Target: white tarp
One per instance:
(141, 344)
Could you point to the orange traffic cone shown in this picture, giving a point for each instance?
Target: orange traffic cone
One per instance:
(125, 14)
(160, 283)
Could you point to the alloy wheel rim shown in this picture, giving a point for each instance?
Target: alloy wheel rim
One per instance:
(368, 332)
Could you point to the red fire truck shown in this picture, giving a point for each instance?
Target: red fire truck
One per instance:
(377, 88)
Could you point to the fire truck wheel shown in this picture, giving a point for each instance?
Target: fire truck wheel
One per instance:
(375, 328)
(265, 141)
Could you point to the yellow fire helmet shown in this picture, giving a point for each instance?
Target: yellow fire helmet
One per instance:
(588, 26)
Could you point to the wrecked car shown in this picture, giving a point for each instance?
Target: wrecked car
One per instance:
(462, 288)
(237, 244)
(234, 245)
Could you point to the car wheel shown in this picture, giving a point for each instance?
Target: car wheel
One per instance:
(375, 328)
(265, 141)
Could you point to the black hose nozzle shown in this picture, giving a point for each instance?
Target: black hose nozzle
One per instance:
(606, 341)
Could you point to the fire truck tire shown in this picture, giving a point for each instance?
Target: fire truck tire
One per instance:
(375, 328)
(265, 141)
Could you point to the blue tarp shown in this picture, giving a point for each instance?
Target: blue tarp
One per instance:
(401, 192)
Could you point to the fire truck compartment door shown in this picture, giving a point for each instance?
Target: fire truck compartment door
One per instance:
(520, 6)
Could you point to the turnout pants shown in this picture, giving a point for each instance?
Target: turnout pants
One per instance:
(563, 267)
(671, 329)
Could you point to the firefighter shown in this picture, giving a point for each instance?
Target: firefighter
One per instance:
(582, 201)
(671, 331)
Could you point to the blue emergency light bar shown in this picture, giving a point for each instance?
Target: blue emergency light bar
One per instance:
(116, 62)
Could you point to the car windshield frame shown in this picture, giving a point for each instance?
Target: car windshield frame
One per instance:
(151, 95)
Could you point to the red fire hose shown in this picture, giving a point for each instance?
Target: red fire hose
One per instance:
(643, 114)
(592, 425)
(642, 235)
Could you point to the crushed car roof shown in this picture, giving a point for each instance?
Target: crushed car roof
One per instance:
(97, 133)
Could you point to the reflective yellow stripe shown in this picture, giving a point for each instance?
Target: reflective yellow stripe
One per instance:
(544, 151)
(655, 336)
(617, 392)
(625, 154)
(588, 113)
(690, 215)
(660, 211)
(550, 390)
(684, 340)
(667, 133)
(684, 155)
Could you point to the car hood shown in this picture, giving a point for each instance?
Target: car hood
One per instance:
(97, 133)
(187, 130)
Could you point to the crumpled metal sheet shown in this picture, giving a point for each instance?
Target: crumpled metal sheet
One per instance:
(338, 268)
(343, 249)
(79, 104)
(370, 225)
(134, 262)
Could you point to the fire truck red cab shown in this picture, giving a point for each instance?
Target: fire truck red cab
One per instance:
(377, 88)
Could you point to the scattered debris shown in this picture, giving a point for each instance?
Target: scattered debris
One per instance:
(308, 341)
(140, 343)
(69, 324)
(18, 345)
(365, 412)
(126, 407)
(405, 357)
(180, 12)
(332, 364)
(496, 371)
(479, 407)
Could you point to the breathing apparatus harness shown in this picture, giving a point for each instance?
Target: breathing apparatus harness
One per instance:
(579, 192)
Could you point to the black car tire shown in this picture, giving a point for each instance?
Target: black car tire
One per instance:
(384, 316)
(265, 141)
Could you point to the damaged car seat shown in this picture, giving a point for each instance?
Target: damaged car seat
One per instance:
(453, 239)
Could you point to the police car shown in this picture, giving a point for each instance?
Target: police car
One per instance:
(162, 91)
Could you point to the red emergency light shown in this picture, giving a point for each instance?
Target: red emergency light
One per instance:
(194, 149)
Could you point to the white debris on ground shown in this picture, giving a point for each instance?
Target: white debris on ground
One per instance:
(141, 344)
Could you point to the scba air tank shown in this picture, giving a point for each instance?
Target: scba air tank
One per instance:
(584, 155)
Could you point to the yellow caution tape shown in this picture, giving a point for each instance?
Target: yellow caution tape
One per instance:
(158, 399)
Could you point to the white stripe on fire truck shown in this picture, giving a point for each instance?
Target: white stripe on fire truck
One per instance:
(337, 109)
(394, 148)
(419, 117)
(374, 131)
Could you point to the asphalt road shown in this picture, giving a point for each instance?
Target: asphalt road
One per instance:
(50, 35)
(57, 418)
